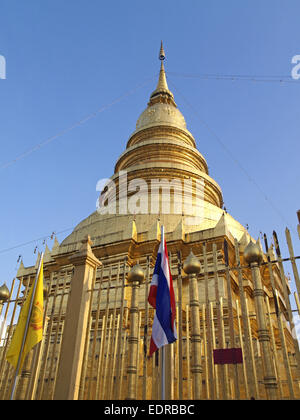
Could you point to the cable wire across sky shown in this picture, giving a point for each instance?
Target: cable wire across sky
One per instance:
(75, 125)
(237, 77)
(82, 121)
(280, 79)
(230, 154)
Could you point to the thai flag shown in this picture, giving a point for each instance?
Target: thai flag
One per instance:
(162, 298)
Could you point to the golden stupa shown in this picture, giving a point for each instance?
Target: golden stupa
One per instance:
(97, 318)
(161, 148)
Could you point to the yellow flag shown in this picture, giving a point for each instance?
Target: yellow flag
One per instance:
(35, 326)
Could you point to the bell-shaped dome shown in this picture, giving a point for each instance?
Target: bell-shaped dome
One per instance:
(161, 114)
(161, 147)
(162, 109)
(160, 155)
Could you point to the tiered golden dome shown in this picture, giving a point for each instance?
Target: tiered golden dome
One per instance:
(162, 147)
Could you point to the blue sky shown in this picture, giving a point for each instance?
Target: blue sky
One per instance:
(67, 59)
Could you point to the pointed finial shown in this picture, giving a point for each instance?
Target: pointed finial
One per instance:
(162, 55)
(162, 85)
(162, 92)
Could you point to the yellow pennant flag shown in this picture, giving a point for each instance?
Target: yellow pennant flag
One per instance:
(34, 327)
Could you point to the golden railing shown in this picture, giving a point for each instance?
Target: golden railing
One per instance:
(228, 304)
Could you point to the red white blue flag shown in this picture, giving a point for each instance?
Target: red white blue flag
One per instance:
(162, 298)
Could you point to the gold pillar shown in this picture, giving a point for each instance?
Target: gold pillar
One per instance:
(135, 277)
(192, 268)
(75, 329)
(24, 378)
(253, 256)
(263, 334)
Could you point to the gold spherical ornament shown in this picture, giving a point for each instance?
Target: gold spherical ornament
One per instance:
(253, 254)
(4, 293)
(192, 264)
(136, 274)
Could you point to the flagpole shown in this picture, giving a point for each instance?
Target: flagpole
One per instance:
(26, 329)
(163, 354)
(163, 376)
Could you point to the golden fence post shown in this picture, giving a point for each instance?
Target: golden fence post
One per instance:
(213, 342)
(100, 357)
(211, 367)
(180, 335)
(145, 342)
(286, 297)
(285, 352)
(135, 277)
(106, 359)
(274, 348)
(138, 353)
(227, 389)
(120, 358)
(281, 329)
(124, 350)
(243, 351)
(85, 358)
(221, 340)
(176, 363)
(292, 258)
(91, 392)
(154, 377)
(116, 349)
(114, 333)
(192, 268)
(188, 352)
(251, 347)
(72, 348)
(91, 389)
(205, 351)
(250, 366)
(297, 302)
(25, 377)
(253, 256)
(231, 320)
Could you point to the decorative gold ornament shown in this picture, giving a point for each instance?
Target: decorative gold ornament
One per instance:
(192, 264)
(4, 293)
(252, 253)
(136, 274)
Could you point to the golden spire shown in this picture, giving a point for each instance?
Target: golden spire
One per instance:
(162, 88)
(162, 84)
